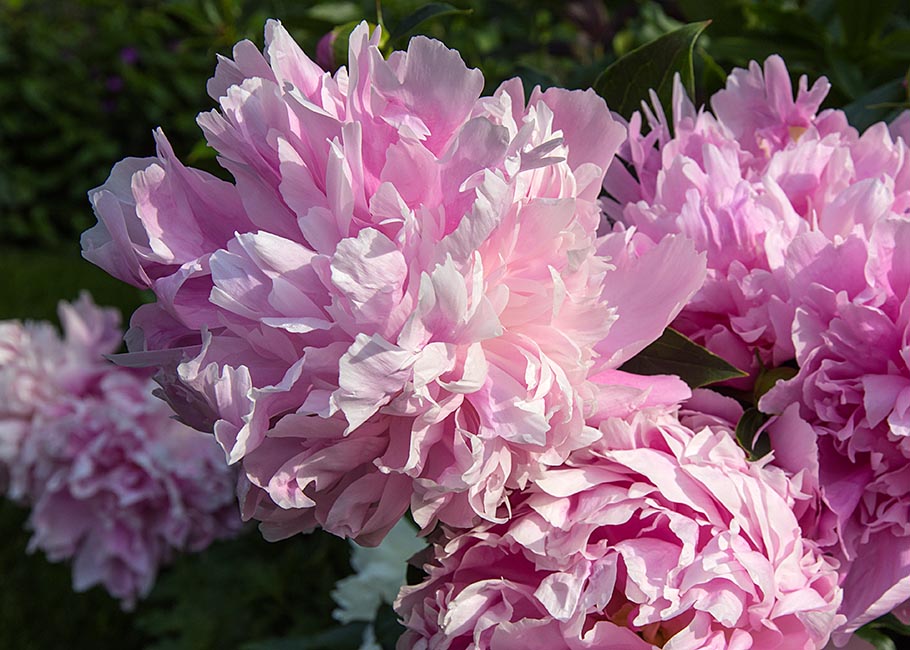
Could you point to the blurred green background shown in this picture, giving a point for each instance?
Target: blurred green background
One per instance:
(84, 82)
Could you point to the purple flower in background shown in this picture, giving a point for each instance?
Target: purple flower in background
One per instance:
(114, 83)
(129, 55)
(325, 51)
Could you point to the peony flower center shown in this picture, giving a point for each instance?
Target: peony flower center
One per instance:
(655, 633)
(796, 132)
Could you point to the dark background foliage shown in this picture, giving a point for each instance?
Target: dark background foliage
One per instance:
(84, 82)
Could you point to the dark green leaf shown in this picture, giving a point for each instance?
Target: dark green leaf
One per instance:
(714, 77)
(742, 49)
(728, 16)
(846, 73)
(336, 13)
(863, 21)
(820, 10)
(748, 425)
(867, 109)
(388, 628)
(201, 151)
(892, 623)
(531, 77)
(785, 22)
(426, 12)
(878, 639)
(770, 376)
(625, 84)
(36, 280)
(343, 637)
(674, 354)
(896, 44)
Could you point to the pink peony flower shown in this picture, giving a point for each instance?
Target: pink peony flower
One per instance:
(846, 414)
(660, 536)
(803, 222)
(744, 183)
(37, 367)
(399, 302)
(113, 482)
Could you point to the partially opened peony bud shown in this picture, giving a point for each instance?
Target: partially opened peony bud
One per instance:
(325, 51)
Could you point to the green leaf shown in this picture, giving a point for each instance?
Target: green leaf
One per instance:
(751, 421)
(674, 354)
(770, 376)
(739, 50)
(863, 21)
(878, 639)
(785, 22)
(336, 13)
(873, 107)
(895, 45)
(846, 73)
(625, 83)
(531, 77)
(713, 76)
(387, 628)
(201, 151)
(426, 12)
(344, 637)
(35, 280)
(892, 623)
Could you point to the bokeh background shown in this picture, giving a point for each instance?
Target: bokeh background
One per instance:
(84, 82)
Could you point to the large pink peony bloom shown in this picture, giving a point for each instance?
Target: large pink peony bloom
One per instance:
(804, 224)
(113, 482)
(845, 428)
(659, 537)
(743, 183)
(398, 303)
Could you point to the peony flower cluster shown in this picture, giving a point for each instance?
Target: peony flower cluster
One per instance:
(658, 536)
(405, 300)
(114, 483)
(804, 224)
(402, 301)
(745, 183)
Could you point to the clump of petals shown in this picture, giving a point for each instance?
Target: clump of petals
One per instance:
(847, 411)
(660, 536)
(399, 301)
(744, 182)
(113, 482)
